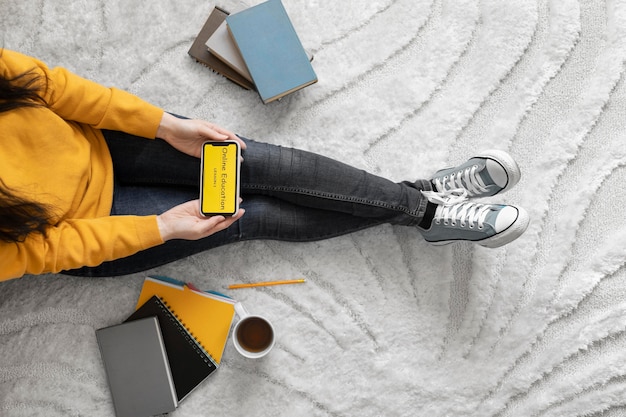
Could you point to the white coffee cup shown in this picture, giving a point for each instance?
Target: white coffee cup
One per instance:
(253, 335)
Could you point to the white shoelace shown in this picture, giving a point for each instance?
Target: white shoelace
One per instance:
(468, 179)
(453, 207)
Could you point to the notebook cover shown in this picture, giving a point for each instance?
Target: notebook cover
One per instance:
(189, 364)
(271, 49)
(208, 317)
(201, 54)
(137, 368)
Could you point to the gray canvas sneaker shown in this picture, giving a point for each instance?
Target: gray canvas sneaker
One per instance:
(456, 219)
(489, 173)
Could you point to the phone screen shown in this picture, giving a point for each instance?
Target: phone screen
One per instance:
(219, 188)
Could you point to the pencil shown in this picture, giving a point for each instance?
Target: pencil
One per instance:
(266, 283)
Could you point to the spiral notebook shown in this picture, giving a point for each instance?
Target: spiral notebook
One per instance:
(207, 316)
(189, 363)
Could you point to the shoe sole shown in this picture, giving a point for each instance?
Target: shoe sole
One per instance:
(508, 163)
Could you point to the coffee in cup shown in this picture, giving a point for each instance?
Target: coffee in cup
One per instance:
(253, 335)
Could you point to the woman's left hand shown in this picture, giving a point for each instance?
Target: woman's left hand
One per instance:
(188, 135)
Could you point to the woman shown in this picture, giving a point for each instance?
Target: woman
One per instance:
(85, 189)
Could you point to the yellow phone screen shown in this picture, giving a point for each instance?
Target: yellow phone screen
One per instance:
(220, 183)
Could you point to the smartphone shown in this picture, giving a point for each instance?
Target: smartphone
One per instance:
(219, 178)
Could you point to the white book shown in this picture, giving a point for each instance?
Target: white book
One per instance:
(222, 45)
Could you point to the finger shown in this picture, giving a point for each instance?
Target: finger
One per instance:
(241, 211)
(242, 144)
(210, 131)
(230, 135)
(234, 137)
(211, 223)
(222, 219)
(227, 222)
(215, 135)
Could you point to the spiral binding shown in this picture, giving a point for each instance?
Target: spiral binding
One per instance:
(195, 344)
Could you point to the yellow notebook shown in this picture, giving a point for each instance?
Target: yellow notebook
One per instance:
(207, 316)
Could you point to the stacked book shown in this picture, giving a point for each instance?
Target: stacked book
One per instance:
(257, 48)
(172, 342)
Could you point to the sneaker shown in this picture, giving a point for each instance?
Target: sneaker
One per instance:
(487, 174)
(456, 219)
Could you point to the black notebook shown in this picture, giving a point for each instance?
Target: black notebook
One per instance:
(190, 364)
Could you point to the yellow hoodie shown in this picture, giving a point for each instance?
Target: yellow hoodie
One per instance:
(57, 155)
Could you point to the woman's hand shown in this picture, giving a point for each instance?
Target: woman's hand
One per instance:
(185, 222)
(188, 135)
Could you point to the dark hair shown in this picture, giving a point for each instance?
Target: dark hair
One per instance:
(21, 91)
(20, 217)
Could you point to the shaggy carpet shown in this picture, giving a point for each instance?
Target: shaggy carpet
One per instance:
(386, 325)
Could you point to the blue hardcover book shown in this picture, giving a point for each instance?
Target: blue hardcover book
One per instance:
(271, 49)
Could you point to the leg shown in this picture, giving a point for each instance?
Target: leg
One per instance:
(311, 180)
(293, 175)
(266, 218)
(288, 195)
(141, 161)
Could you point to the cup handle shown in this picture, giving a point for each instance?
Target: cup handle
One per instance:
(241, 310)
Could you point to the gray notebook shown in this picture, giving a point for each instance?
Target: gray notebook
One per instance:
(137, 368)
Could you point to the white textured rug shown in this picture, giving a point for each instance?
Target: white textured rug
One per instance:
(386, 325)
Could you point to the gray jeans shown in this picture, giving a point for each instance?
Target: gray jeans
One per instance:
(288, 194)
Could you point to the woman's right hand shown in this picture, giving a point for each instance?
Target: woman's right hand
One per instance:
(186, 222)
(188, 135)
